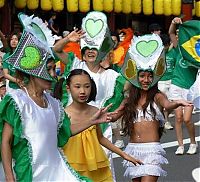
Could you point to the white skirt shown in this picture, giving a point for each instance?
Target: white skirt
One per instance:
(152, 156)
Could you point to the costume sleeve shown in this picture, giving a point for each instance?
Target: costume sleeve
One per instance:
(21, 152)
(9, 114)
(116, 99)
(64, 131)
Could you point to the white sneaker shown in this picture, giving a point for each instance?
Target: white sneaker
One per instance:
(168, 126)
(197, 123)
(180, 150)
(192, 149)
(119, 143)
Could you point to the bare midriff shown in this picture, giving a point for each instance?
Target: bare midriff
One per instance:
(145, 131)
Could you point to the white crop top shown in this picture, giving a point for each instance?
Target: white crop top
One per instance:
(149, 116)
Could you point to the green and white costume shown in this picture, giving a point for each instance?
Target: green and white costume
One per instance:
(35, 138)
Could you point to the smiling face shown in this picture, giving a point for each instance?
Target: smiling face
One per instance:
(80, 88)
(90, 55)
(145, 78)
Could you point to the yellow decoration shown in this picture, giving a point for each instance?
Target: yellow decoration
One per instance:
(32, 4)
(158, 7)
(2, 2)
(160, 67)
(108, 5)
(176, 7)
(20, 4)
(131, 70)
(46, 5)
(126, 6)
(167, 7)
(72, 5)
(193, 10)
(58, 5)
(136, 6)
(84, 5)
(98, 5)
(117, 6)
(147, 7)
(197, 8)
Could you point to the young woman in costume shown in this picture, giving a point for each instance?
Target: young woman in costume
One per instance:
(33, 124)
(143, 119)
(83, 151)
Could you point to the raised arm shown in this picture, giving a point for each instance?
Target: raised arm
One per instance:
(101, 116)
(74, 36)
(172, 30)
(170, 105)
(6, 152)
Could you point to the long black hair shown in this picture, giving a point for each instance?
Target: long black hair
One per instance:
(58, 87)
(130, 110)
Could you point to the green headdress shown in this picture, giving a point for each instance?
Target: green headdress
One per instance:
(34, 48)
(97, 34)
(146, 53)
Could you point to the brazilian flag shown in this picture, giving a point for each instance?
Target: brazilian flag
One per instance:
(189, 41)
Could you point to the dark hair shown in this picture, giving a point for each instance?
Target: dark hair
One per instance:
(130, 110)
(116, 35)
(18, 34)
(154, 27)
(58, 87)
(165, 39)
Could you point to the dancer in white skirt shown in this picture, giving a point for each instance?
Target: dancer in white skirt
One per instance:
(143, 119)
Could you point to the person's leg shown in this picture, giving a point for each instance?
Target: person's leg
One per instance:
(178, 128)
(149, 178)
(168, 125)
(191, 129)
(116, 132)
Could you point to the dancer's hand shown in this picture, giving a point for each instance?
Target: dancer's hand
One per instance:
(102, 116)
(75, 35)
(183, 102)
(131, 159)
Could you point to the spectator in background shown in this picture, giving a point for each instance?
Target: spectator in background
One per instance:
(165, 82)
(155, 28)
(51, 24)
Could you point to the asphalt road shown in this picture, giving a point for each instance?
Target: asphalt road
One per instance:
(179, 168)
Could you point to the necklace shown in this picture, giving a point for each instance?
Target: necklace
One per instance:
(38, 99)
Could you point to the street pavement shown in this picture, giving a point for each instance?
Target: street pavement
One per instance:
(180, 167)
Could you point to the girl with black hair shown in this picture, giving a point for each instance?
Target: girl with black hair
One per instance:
(143, 122)
(83, 151)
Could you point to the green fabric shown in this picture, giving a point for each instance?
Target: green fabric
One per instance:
(68, 67)
(116, 99)
(64, 131)
(20, 149)
(170, 62)
(183, 76)
(189, 41)
(11, 70)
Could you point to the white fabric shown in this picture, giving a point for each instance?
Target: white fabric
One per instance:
(148, 116)
(41, 132)
(164, 87)
(177, 93)
(194, 92)
(152, 156)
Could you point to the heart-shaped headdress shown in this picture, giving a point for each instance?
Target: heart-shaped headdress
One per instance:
(146, 53)
(97, 34)
(34, 48)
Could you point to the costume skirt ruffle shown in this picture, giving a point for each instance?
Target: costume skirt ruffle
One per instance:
(152, 156)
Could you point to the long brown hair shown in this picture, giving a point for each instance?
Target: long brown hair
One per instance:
(130, 110)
